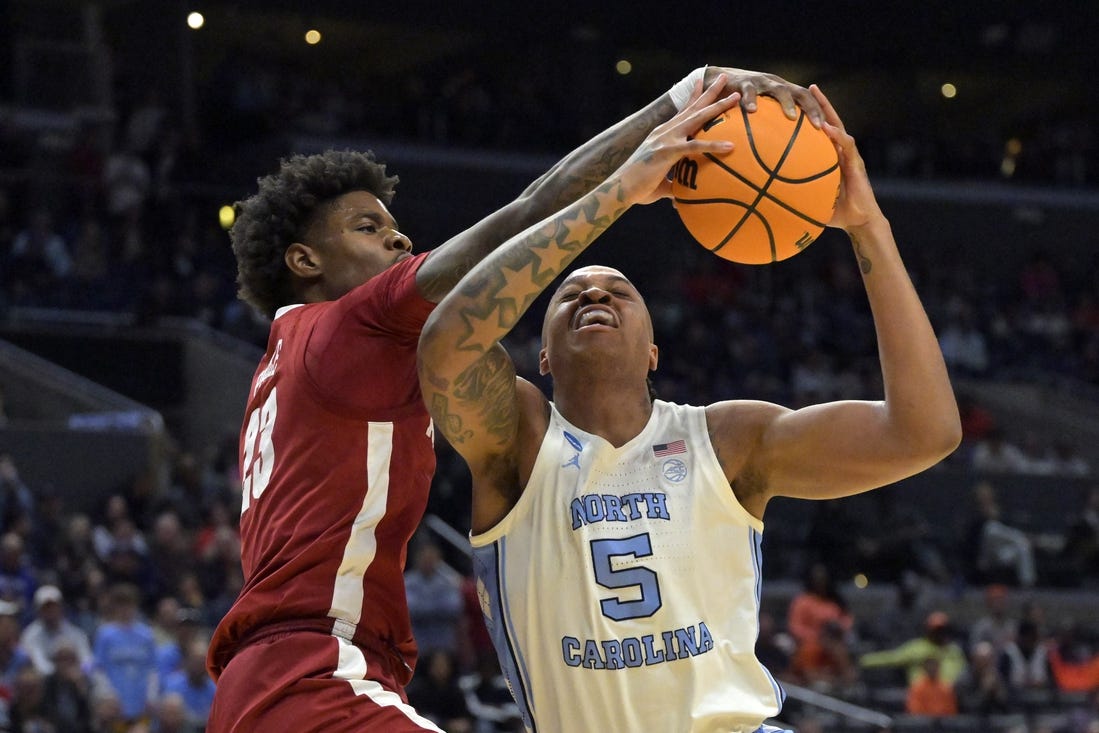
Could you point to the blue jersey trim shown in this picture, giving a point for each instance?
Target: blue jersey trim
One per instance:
(490, 565)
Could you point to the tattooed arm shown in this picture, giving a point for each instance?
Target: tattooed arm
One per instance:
(842, 448)
(468, 380)
(582, 170)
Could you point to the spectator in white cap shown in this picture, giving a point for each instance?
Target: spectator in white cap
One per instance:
(50, 630)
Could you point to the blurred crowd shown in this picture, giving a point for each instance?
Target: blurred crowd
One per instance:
(1008, 667)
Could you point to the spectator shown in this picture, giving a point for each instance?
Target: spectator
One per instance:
(964, 346)
(165, 620)
(996, 454)
(39, 257)
(127, 181)
(192, 683)
(218, 547)
(12, 656)
(996, 625)
(435, 693)
(16, 499)
(171, 716)
(107, 713)
(51, 631)
(68, 692)
(1025, 659)
(1074, 662)
(911, 655)
(29, 710)
(906, 609)
(983, 689)
(125, 652)
(186, 631)
(817, 604)
(929, 694)
(1000, 553)
(170, 553)
(117, 527)
(434, 598)
(17, 577)
(77, 563)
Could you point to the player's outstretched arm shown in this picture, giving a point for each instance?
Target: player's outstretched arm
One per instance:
(589, 165)
(467, 379)
(842, 448)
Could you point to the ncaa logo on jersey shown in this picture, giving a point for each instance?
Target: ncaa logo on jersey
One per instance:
(675, 470)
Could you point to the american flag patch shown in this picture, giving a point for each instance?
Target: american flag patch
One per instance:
(668, 449)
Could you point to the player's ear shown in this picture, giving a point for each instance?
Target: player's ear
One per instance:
(302, 261)
(654, 357)
(543, 362)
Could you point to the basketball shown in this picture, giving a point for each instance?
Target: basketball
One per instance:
(768, 198)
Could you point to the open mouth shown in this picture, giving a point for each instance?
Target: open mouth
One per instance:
(594, 316)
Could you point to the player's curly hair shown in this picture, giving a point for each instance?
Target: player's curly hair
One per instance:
(282, 209)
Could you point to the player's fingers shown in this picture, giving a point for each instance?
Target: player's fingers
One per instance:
(782, 95)
(809, 105)
(699, 147)
(699, 117)
(830, 114)
(748, 96)
(706, 96)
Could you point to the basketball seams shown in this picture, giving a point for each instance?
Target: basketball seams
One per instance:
(771, 174)
(793, 147)
(762, 191)
(766, 226)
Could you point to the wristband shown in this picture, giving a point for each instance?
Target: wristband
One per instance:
(683, 89)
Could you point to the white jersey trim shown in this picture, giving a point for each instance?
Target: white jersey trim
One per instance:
(362, 544)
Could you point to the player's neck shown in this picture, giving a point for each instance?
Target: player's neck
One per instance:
(615, 415)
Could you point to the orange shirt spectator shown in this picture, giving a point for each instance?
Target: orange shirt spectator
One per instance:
(816, 606)
(929, 695)
(1074, 676)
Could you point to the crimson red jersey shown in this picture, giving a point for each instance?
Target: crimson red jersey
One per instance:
(336, 461)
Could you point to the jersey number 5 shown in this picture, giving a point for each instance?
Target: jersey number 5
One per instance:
(259, 451)
(602, 554)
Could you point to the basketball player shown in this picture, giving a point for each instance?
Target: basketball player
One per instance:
(336, 450)
(617, 538)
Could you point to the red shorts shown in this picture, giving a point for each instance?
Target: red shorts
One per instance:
(307, 681)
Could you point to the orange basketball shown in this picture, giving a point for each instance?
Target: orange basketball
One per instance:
(769, 197)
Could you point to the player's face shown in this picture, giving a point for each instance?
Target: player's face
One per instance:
(598, 314)
(355, 238)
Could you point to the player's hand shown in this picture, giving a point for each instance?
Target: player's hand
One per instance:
(751, 84)
(856, 204)
(644, 176)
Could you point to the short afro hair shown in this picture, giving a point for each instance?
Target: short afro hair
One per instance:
(278, 214)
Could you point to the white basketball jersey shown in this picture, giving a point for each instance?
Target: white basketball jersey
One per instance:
(622, 590)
